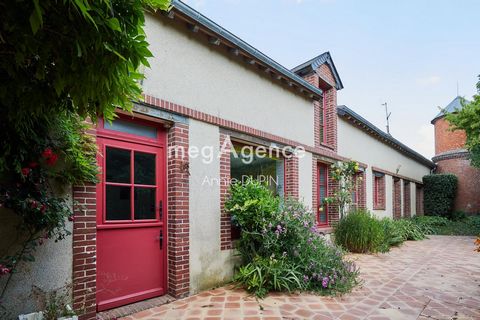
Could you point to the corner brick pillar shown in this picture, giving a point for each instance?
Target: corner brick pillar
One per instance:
(178, 211)
(333, 210)
(397, 198)
(225, 219)
(291, 177)
(407, 212)
(84, 250)
(361, 189)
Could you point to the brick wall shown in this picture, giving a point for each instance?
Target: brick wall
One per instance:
(468, 188)
(84, 250)
(419, 199)
(330, 105)
(446, 140)
(407, 212)
(380, 202)
(397, 198)
(333, 212)
(225, 220)
(361, 185)
(178, 214)
(291, 177)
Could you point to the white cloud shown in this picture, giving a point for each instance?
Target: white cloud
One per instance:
(424, 140)
(428, 81)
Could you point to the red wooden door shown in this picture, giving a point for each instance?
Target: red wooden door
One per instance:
(131, 234)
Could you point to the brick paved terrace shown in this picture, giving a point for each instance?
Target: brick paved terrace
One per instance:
(438, 278)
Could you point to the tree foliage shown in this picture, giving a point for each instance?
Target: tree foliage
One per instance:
(468, 119)
(61, 62)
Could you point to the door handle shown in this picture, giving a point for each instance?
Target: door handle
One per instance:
(160, 238)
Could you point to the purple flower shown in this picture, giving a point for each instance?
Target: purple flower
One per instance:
(325, 282)
(305, 278)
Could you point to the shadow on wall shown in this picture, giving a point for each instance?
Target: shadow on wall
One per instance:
(51, 270)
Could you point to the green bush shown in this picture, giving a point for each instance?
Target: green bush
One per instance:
(263, 275)
(457, 215)
(360, 232)
(439, 193)
(409, 229)
(280, 245)
(393, 235)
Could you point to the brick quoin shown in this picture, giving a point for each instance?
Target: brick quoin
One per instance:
(225, 219)
(84, 250)
(447, 140)
(419, 199)
(397, 198)
(333, 212)
(407, 212)
(381, 203)
(178, 214)
(361, 186)
(291, 177)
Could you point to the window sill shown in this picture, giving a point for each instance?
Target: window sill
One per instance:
(379, 208)
(325, 229)
(326, 145)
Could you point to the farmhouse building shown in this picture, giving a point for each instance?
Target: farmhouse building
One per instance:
(156, 224)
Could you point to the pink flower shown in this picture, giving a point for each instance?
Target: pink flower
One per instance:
(52, 159)
(26, 171)
(33, 164)
(71, 218)
(47, 153)
(34, 204)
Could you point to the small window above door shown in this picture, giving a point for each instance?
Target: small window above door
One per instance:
(125, 126)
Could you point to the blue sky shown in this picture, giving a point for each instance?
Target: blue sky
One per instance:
(407, 53)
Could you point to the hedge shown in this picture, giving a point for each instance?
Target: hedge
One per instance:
(439, 194)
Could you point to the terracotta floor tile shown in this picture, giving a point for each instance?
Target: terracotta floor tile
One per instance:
(419, 280)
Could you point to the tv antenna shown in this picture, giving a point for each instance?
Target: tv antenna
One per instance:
(387, 116)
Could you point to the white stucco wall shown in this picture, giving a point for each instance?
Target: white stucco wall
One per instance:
(356, 144)
(190, 72)
(33, 281)
(305, 179)
(209, 266)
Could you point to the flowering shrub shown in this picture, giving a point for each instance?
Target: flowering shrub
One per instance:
(283, 244)
(343, 173)
(32, 171)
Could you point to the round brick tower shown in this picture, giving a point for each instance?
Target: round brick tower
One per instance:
(452, 157)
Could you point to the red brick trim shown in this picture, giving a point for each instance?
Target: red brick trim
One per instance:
(399, 176)
(315, 185)
(204, 117)
(361, 187)
(397, 198)
(407, 212)
(225, 219)
(291, 177)
(84, 250)
(178, 214)
(333, 210)
(380, 203)
(419, 200)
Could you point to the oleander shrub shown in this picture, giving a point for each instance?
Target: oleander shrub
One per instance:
(281, 248)
(439, 194)
(360, 232)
